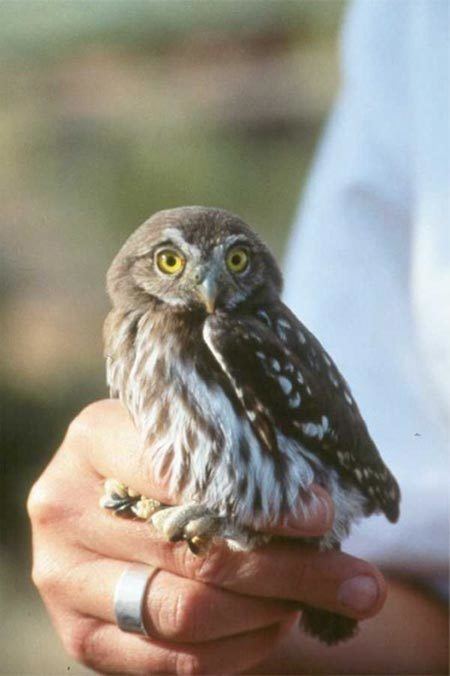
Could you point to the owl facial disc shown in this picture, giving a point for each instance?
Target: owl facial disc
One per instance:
(193, 258)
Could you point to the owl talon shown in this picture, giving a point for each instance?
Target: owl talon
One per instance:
(120, 506)
(126, 502)
(193, 523)
(199, 545)
(112, 487)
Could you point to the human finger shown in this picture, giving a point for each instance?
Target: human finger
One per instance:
(282, 569)
(109, 442)
(174, 608)
(105, 648)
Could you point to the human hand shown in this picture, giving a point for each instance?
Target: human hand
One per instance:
(222, 613)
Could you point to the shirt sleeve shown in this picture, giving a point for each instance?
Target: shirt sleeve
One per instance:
(348, 277)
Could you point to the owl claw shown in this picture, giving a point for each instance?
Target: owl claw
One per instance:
(199, 545)
(126, 502)
(120, 506)
(192, 523)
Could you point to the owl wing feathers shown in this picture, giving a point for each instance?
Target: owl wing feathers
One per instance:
(286, 382)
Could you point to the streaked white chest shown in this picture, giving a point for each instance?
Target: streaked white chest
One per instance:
(200, 444)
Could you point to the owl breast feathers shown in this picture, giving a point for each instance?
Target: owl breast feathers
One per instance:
(240, 407)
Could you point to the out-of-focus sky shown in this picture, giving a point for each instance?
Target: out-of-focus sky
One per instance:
(110, 111)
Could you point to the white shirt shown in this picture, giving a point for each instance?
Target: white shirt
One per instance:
(368, 265)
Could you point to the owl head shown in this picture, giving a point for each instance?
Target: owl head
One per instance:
(193, 258)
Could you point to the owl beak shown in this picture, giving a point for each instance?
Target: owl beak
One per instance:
(207, 290)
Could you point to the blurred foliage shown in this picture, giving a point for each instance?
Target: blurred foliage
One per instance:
(111, 110)
(42, 29)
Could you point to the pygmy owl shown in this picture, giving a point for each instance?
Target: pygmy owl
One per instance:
(239, 406)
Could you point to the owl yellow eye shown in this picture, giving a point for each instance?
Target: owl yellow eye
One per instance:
(170, 262)
(237, 259)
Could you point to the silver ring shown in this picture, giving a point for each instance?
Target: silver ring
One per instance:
(129, 597)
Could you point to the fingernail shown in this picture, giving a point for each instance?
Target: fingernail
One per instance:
(359, 593)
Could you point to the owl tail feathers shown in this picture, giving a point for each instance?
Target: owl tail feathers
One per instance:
(330, 628)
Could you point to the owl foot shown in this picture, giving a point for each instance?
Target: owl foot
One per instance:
(193, 523)
(126, 502)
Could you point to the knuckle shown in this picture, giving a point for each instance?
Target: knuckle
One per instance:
(44, 577)
(215, 568)
(189, 663)
(81, 427)
(48, 503)
(75, 641)
(81, 431)
(38, 577)
(42, 503)
(187, 612)
(254, 564)
(79, 641)
(174, 616)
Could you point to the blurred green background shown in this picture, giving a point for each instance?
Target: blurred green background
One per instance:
(110, 111)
